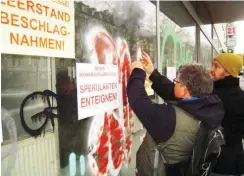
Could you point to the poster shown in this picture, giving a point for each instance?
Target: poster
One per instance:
(40, 28)
(148, 88)
(97, 88)
(171, 73)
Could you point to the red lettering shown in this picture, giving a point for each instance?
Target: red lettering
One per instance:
(14, 20)
(31, 24)
(21, 5)
(81, 89)
(24, 23)
(4, 18)
(3, 3)
(14, 39)
(98, 99)
(30, 5)
(83, 102)
(11, 3)
(38, 8)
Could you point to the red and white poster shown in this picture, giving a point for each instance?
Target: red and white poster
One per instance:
(110, 134)
(97, 88)
(106, 138)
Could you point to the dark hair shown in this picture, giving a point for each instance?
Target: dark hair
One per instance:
(196, 78)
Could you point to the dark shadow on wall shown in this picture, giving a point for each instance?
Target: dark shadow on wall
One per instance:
(72, 132)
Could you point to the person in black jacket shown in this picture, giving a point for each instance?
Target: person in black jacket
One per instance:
(173, 128)
(224, 73)
(225, 70)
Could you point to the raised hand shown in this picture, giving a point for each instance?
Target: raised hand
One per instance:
(147, 63)
(135, 64)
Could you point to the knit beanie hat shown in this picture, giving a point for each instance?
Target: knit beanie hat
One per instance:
(232, 63)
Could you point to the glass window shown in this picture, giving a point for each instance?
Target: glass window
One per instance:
(177, 42)
(215, 39)
(208, 29)
(205, 51)
(215, 53)
(107, 32)
(220, 30)
(22, 75)
(216, 43)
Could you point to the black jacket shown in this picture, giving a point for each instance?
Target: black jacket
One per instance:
(232, 96)
(229, 91)
(231, 160)
(160, 119)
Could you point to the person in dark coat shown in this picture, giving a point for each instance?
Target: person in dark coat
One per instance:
(172, 128)
(224, 72)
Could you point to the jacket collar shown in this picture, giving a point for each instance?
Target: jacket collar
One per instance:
(192, 99)
(208, 109)
(227, 82)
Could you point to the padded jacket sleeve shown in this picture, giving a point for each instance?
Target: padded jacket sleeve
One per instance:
(158, 119)
(162, 86)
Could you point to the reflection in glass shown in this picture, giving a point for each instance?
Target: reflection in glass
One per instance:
(177, 44)
(22, 75)
(205, 51)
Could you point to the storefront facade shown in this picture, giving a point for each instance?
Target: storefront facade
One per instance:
(104, 33)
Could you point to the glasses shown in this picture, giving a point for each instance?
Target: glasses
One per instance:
(176, 81)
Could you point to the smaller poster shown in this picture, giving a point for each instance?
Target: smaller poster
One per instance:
(97, 89)
(171, 73)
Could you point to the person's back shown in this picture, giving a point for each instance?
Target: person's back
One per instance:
(178, 148)
(173, 128)
(224, 72)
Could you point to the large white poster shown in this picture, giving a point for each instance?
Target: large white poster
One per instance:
(171, 73)
(97, 88)
(35, 27)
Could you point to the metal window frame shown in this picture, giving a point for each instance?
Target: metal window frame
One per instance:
(158, 56)
(158, 35)
(197, 44)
